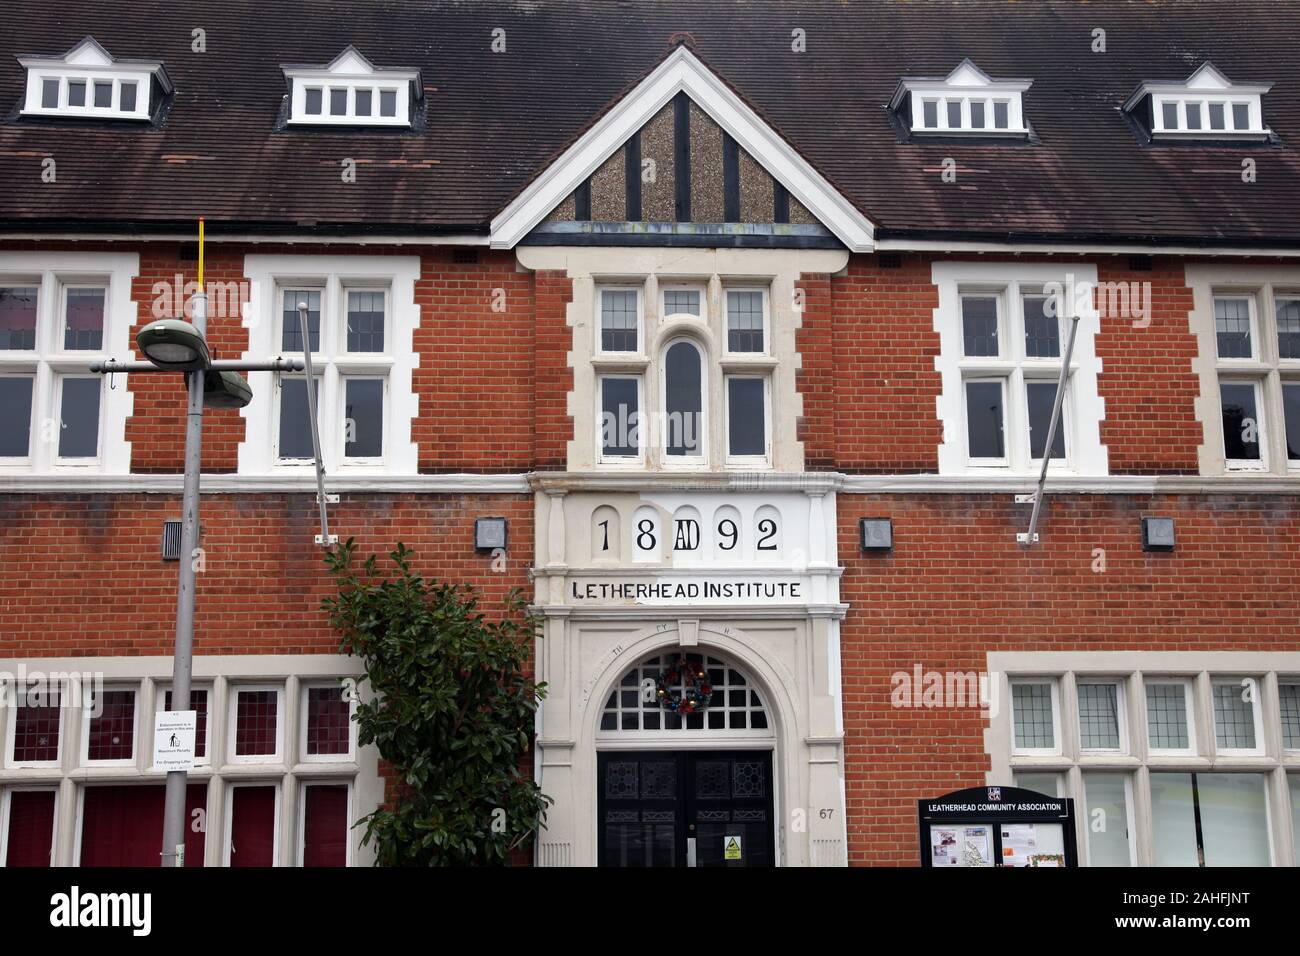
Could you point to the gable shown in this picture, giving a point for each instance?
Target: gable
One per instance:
(682, 158)
(680, 176)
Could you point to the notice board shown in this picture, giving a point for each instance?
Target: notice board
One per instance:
(997, 826)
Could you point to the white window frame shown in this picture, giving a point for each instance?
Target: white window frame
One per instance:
(136, 746)
(281, 460)
(691, 462)
(1255, 715)
(966, 83)
(41, 70)
(1197, 672)
(160, 691)
(1189, 706)
(1183, 103)
(327, 83)
(52, 274)
(598, 346)
(20, 461)
(11, 738)
(347, 375)
(6, 795)
(1082, 408)
(1121, 704)
(1287, 681)
(642, 429)
(304, 717)
(89, 462)
(334, 277)
(66, 286)
(1007, 425)
(351, 71)
(1131, 835)
(1055, 686)
(232, 720)
(766, 294)
(698, 288)
(1264, 287)
(228, 825)
(300, 842)
(748, 461)
(1261, 428)
(1256, 341)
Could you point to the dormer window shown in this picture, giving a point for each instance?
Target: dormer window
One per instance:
(966, 102)
(352, 91)
(1207, 105)
(89, 82)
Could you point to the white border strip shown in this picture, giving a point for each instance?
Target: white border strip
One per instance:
(240, 484)
(521, 483)
(1077, 249)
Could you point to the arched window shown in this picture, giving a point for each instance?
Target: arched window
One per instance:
(735, 703)
(683, 400)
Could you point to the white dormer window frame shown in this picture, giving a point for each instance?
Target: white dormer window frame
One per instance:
(1207, 105)
(351, 91)
(88, 82)
(967, 102)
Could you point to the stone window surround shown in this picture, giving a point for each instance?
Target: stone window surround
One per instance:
(1263, 283)
(716, 270)
(293, 673)
(1201, 669)
(1084, 407)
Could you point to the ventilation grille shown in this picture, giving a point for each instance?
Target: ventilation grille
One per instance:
(464, 256)
(1139, 263)
(891, 260)
(171, 541)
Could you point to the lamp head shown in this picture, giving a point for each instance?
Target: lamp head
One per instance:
(173, 344)
(225, 390)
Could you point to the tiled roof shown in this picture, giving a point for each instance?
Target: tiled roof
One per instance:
(494, 120)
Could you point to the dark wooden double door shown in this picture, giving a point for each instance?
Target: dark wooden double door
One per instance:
(684, 808)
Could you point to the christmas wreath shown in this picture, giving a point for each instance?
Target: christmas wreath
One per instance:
(695, 692)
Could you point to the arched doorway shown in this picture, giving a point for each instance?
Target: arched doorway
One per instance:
(684, 765)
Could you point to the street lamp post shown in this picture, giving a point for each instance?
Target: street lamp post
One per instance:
(173, 345)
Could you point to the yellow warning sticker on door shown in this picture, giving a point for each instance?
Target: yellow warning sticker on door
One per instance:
(731, 848)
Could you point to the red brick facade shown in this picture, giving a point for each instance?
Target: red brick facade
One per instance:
(84, 578)
(957, 586)
(95, 558)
